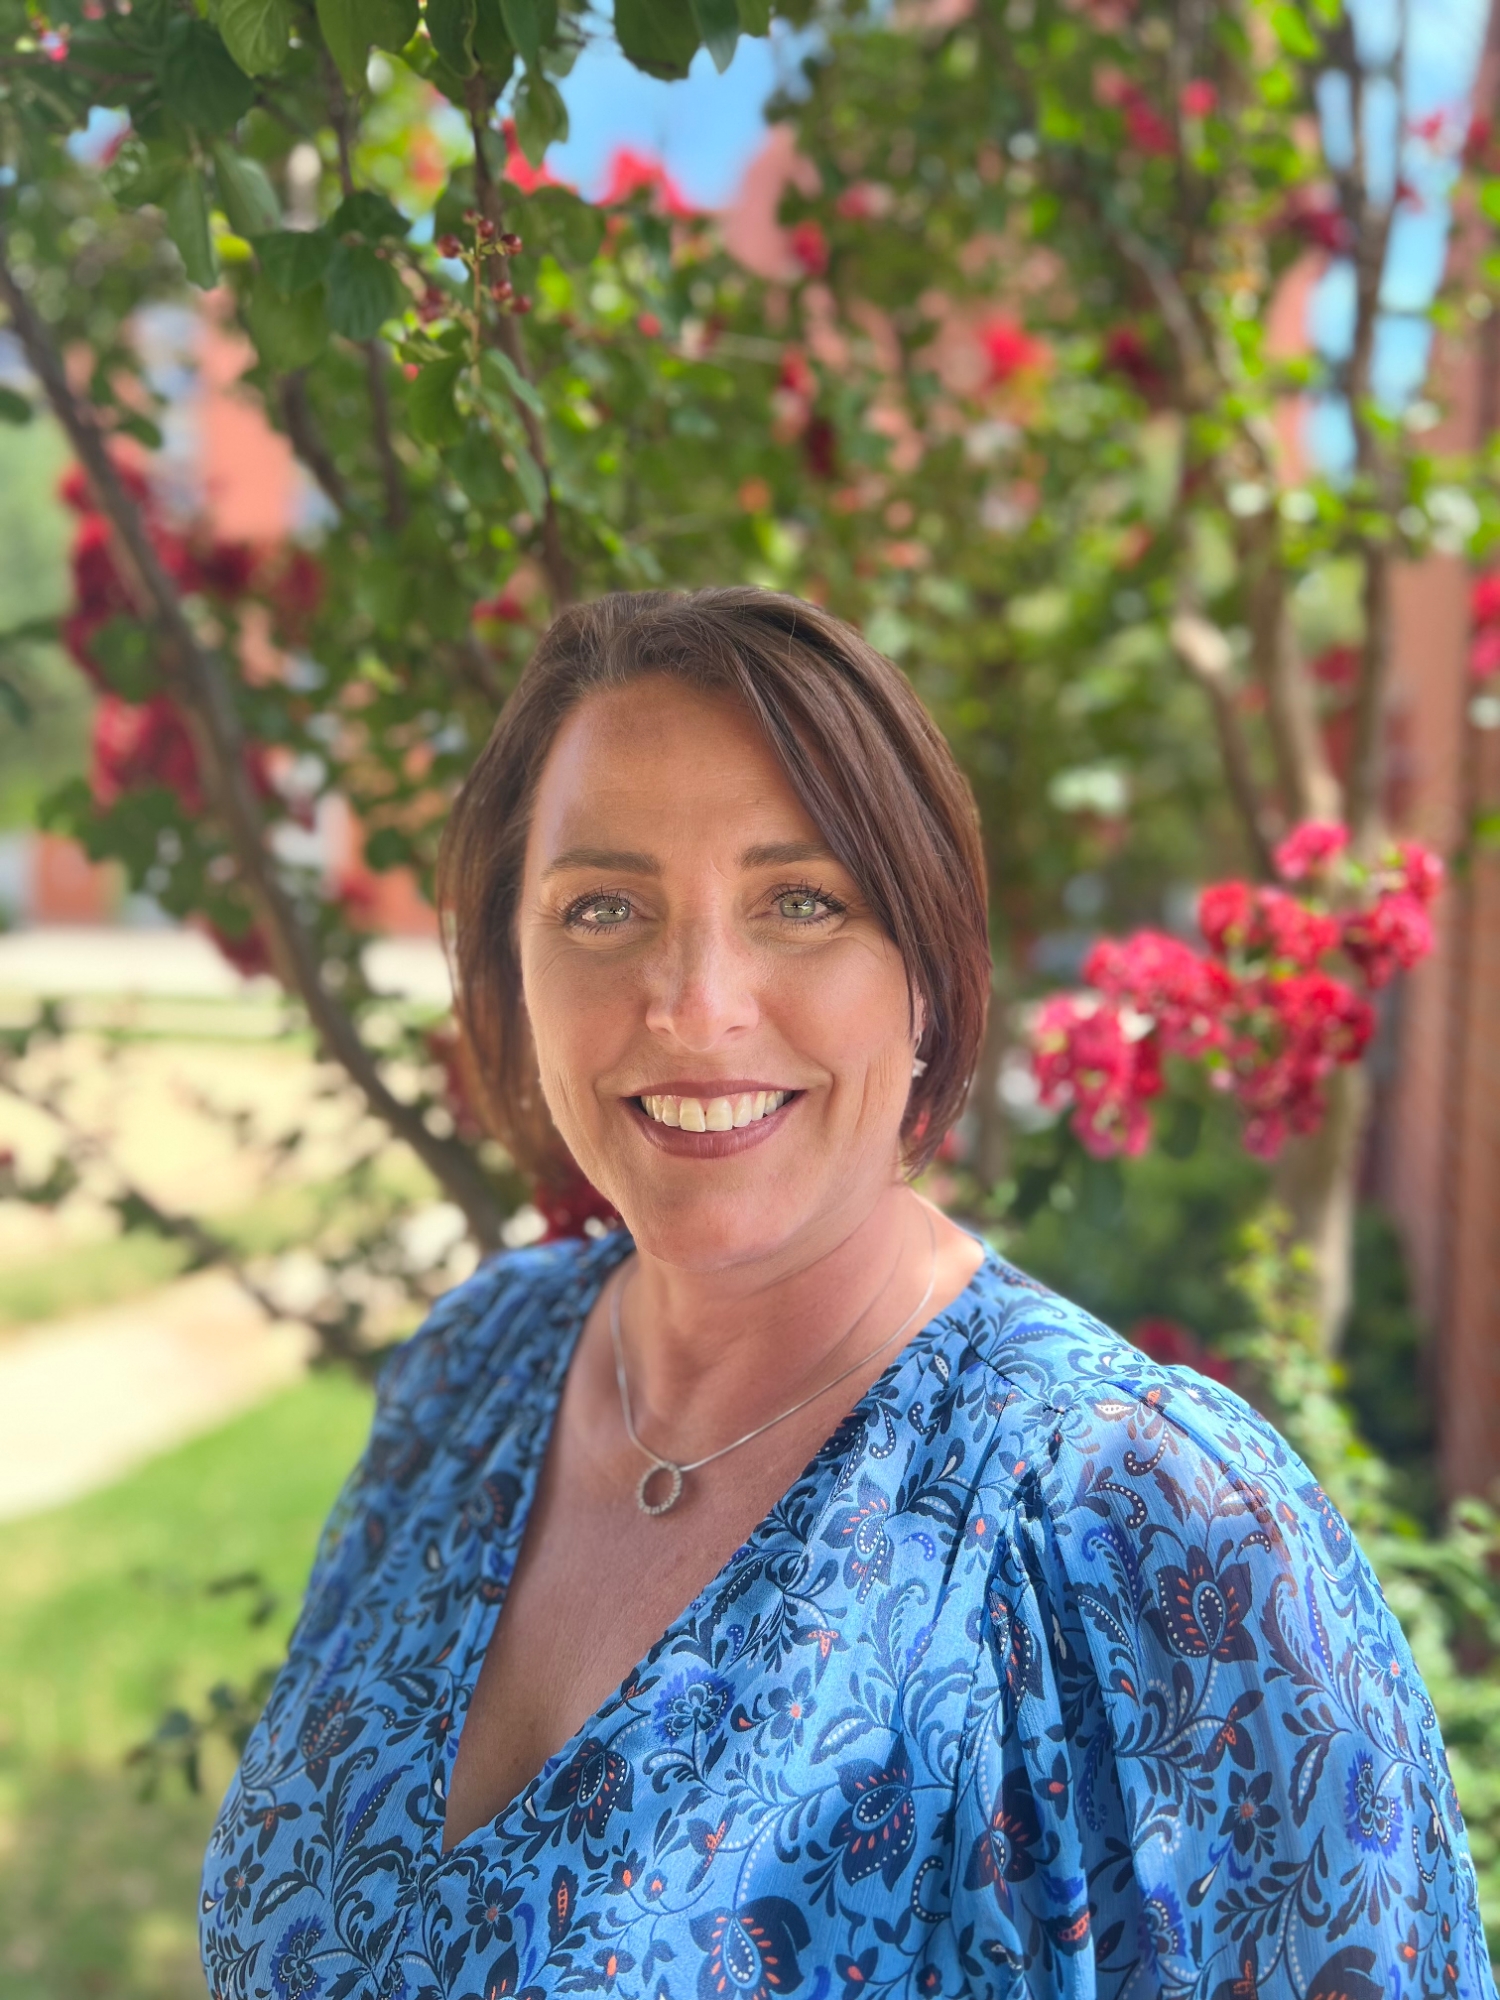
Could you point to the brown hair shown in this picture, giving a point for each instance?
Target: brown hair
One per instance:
(863, 756)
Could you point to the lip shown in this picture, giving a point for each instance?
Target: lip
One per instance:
(714, 1086)
(709, 1145)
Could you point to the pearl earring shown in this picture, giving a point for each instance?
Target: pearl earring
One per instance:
(919, 1068)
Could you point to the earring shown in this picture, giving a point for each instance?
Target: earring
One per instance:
(919, 1068)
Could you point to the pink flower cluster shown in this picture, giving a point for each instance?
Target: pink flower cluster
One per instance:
(1258, 1008)
(1484, 610)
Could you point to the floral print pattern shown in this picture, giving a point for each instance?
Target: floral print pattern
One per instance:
(1055, 1674)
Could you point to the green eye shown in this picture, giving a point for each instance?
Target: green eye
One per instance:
(798, 904)
(600, 913)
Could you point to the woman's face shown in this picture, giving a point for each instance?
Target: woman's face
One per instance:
(720, 1022)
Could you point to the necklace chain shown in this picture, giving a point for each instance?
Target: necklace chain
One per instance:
(678, 1471)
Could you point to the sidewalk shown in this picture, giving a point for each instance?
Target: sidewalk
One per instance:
(60, 961)
(85, 1399)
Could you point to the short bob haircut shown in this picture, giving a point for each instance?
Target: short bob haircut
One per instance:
(862, 755)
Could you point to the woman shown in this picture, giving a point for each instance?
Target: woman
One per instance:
(787, 1596)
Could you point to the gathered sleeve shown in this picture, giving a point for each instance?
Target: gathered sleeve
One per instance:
(1198, 1758)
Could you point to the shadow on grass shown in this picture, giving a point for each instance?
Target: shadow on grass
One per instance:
(109, 1616)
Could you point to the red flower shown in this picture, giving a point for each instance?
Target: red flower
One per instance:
(136, 745)
(1164, 1340)
(1146, 129)
(1199, 98)
(1309, 848)
(1009, 348)
(1127, 353)
(1420, 870)
(809, 246)
(1083, 1057)
(1225, 912)
(1484, 599)
(630, 173)
(568, 1201)
(246, 950)
(1184, 993)
(1484, 653)
(1317, 218)
(1393, 935)
(820, 448)
(796, 375)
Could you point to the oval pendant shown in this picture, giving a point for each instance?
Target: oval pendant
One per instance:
(674, 1495)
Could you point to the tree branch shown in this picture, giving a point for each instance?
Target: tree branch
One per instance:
(376, 359)
(506, 333)
(204, 691)
(1204, 651)
(296, 414)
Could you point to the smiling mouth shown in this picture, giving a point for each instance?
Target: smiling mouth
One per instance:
(713, 1114)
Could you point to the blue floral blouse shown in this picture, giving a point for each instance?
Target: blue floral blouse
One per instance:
(1054, 1674)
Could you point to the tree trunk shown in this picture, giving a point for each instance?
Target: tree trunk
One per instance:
(1317, 1182)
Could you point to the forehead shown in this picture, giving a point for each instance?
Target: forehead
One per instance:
(658, 764)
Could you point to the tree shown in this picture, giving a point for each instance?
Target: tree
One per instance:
(1042, 255)
(461, 354)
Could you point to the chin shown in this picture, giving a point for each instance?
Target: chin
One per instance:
(710, 1231)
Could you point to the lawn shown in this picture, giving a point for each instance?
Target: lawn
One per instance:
(106, 1621)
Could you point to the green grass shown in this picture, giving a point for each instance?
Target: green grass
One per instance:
(105, 1622)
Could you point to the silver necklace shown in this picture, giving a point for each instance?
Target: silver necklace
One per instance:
(676, 1472)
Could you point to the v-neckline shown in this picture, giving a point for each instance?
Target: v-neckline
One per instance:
(586, 1282)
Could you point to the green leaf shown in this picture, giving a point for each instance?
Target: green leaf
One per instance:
(388, 847)
(450, 25)
(571, 229)
(140, 175)
(141, 429)
(15, 704)
(492, 44)
(1293, 32)
(245, 193)
(256, 33)
(658, 36)
(475, 464)
(529, 479)
(755, 16)
(390, 24)
(531, 25)
(201, 83)
(14, 409)
(126, 654)
(343, 29)
(365, 213)
(294, 259)
(288, 332)
(430, 409)
(363, 291)
(186, 210)
(541, 115)
(503, 374)
(718, 23)
(1489, 199)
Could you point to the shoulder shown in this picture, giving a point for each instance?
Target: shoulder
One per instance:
(1111, 1433)
(501, 1320)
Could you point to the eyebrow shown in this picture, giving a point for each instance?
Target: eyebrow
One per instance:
(628, 861)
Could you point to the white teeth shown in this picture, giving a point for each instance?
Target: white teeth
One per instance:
(716, 1114)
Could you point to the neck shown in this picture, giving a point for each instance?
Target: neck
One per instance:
(702, 1342)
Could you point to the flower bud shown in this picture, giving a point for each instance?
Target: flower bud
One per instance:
(511, 244)
(521, 305)
(501, 291)
(485, 228)
(449, 246)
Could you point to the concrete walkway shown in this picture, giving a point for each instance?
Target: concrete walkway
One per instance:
(85, 1399)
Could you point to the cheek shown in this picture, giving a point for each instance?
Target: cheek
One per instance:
(848, 1006)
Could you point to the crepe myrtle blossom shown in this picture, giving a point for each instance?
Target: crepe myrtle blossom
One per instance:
(1259, 1009)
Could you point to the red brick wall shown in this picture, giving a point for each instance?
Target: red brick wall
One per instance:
(1438, 1144)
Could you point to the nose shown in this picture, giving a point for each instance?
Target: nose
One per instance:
(701, 984)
